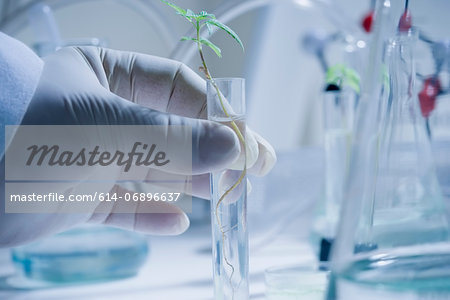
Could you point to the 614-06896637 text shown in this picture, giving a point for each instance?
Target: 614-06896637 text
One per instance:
(101, 197)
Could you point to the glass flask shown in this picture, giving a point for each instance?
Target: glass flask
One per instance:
(226, 105)
(305, 282)
(393, 238)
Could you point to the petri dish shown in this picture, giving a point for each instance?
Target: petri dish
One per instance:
(89, 253)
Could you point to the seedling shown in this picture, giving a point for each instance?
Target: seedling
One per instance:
(199, 21)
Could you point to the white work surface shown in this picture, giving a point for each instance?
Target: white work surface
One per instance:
(280, 212)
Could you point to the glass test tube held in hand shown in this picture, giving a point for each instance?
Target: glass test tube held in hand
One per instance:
(226, 105)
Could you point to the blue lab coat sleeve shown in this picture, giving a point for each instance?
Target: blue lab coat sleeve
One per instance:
(20, 71)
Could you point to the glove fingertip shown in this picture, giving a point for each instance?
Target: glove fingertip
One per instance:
(218, 146)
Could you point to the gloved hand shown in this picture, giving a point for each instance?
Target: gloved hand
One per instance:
(95, 86)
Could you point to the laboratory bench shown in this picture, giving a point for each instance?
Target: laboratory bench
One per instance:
(281, 208)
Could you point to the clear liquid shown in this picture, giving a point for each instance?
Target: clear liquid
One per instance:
(229, 227)
(230, 252)
(397, 227)
(337, 158)
(404, 277)
(226, 121)
(235, 122)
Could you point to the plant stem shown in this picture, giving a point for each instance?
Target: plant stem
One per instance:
(219, 94)
(241, 139)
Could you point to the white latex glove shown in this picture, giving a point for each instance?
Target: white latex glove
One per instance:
(95, 86)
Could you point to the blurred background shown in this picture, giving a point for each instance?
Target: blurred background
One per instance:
(271, 32)
(289, 46)
(284, 82)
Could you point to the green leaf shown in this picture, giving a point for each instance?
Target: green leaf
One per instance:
(204, 15)
(334, 74)
(385, 75)
(178, 9)
(351, 78)
(227, 30)
(210, 28)
(354, 85)
(187, 38)
(212, 46)
(341, 75)
(190, 14)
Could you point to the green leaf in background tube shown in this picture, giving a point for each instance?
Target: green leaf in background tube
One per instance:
(341, 75)
(335, 74)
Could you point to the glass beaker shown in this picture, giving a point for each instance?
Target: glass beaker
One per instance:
(226, 105)
(393, 239)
